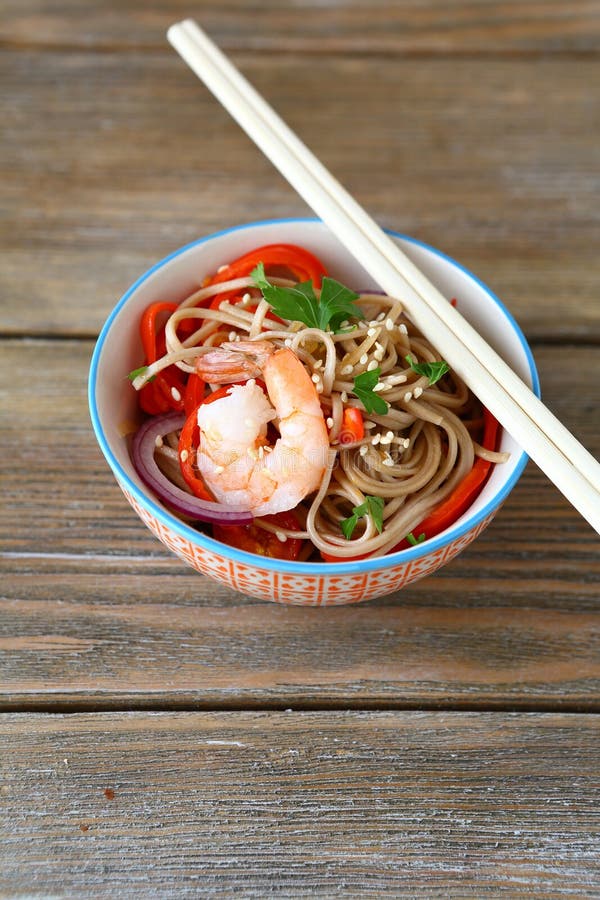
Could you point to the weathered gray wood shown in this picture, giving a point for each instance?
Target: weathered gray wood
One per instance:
(148, 637)
(58, 488)
(95, 611)
(415, 27)
(300, 804)
(111, 160)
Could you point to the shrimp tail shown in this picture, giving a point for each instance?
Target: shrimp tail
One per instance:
(234, 362)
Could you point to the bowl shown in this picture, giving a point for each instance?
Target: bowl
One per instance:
(118, 350)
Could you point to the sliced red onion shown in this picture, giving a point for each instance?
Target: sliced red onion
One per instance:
(142, 452)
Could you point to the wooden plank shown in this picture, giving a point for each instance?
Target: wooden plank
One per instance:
(414, 27)
(47, 449)
(165, 639)
(492, 160)
(300, 804)
(95, 611)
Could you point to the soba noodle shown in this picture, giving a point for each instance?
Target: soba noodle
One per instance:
(412, 456)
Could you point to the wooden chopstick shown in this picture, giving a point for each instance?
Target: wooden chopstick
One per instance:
(555, 450)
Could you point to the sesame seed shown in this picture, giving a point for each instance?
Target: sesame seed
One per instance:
(281, 536)
(389, 324)
(347, 370)
(288, 342)
(344, 397)
(219, 469)
(373, 323)
(158, 441)
(380, 386)
(406, 443)
(381, 317)
(267, 449)
(364, 359)
(183, 455)
(378, 346)
(403, 329)
(330, 422)
(175, 394)
(363, 450)
(378, 354)
(232, 335)
(390, 434)
(369, 424)
(386, 387)
(318, 364)
(375, 439)
(315, 378)
(385, 439)
(246, 299)
(344, 324)
(407, 396)
(388, 461)
(417, 392)
(222, 268)
(372, 332)
(251, 382)
(372, 365)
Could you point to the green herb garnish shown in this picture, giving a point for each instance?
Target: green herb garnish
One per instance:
(434, 370)
(299, 303)
(141, 371)
(373, 506)
(363, 388)
(413, 541)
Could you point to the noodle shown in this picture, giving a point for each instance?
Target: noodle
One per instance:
(412, 457)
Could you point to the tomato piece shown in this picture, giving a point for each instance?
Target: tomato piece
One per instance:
(353, 428)
(254, 539)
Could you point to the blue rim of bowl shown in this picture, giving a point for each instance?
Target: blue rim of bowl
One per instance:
(298, 568)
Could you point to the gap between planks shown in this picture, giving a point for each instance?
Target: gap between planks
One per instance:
(309, 49)
(76, 706)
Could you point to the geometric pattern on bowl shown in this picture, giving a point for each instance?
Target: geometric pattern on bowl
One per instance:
(299, 589)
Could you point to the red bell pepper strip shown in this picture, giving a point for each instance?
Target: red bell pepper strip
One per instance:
(353, 428)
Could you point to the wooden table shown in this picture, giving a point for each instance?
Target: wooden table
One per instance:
(162, 735)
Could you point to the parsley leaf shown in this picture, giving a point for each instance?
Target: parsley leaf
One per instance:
(363, 388)
(434, 371)
(373, 506)
(141, 371)
(300, 304)
(413, 541)
(337, 304)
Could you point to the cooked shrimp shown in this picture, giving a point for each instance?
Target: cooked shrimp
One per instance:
(235, 458)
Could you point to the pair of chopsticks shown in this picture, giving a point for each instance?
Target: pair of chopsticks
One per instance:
(543, 437)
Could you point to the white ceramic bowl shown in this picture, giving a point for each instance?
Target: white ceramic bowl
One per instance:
(112, 403)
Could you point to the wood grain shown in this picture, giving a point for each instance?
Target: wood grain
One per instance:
(300, 804)
(94, 611)
(112, 160)
(141, 639)
(316, 26)
(47, 450)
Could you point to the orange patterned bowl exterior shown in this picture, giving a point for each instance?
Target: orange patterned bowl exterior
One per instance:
(113, 403)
